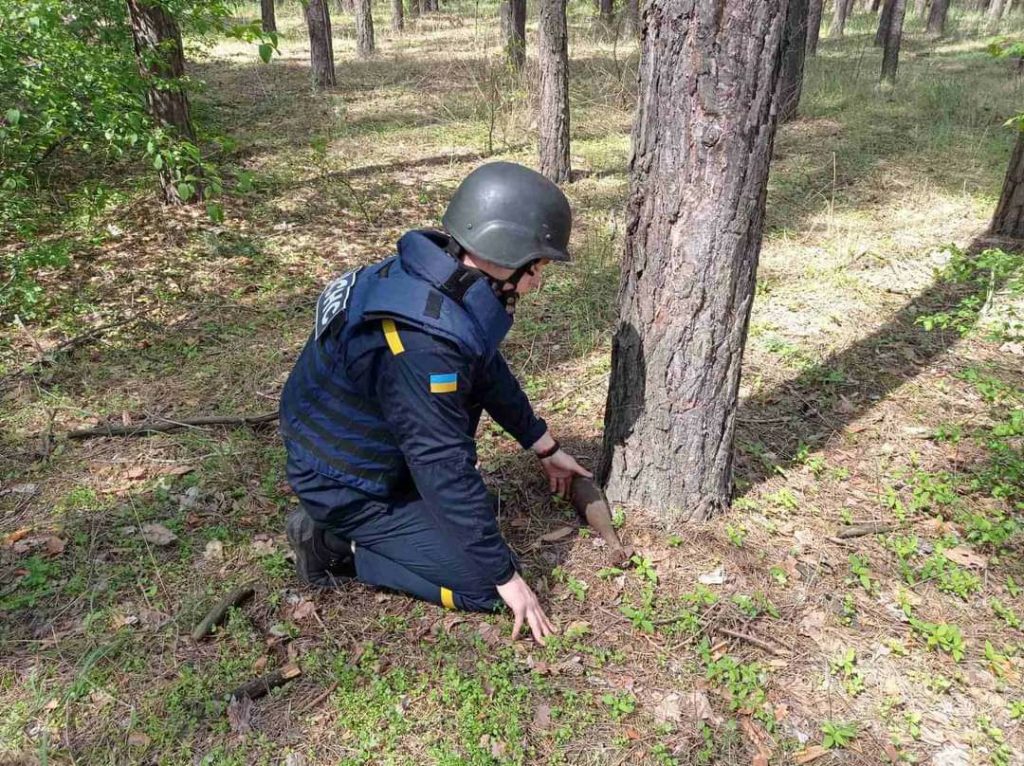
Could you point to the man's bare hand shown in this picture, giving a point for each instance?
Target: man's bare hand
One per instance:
(525, 607)
(560, 469)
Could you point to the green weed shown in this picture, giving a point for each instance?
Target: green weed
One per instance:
(836, 735)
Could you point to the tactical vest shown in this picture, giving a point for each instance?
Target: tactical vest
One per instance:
(335, 420)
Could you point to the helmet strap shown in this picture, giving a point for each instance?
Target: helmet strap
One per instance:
(508, 297)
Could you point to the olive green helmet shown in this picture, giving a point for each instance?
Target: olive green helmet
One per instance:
(510, 215)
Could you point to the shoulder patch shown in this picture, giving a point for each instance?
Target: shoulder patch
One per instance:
(445, 383)
(333, 301)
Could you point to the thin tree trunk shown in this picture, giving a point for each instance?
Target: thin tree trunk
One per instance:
(874, 5)
(893, 41)
(161, 61)
(694, 219)
(920, 8)
(631, 8)
(884, 22)
(794, 47)
(424, 7)
(840, 11)
(937, 17)
(513, 32)
(814, 10)
(553, 51)
(995, 13)
(267, 16)
(364, 28)
(321, 46)
(1009, 218)
(607, 11)
(414, 8)
(397, 15)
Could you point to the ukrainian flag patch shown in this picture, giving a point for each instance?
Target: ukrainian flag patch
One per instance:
(446, 383)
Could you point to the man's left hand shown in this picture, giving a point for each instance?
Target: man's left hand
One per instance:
(560, 469)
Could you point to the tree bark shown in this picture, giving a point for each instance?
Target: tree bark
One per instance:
(269, 22)
(840, 12)
(424, 7)
(884, 22)
(364, 28)
(397, 15)
(553, 51)
(607, 11)
(321, 46)
(995, 13)
(695, 215)
(513, 32)
(920, 7)
(1009, 218)
(794, 45)
(893, 40)
(937, 17)
(161, 61)
(814, 10)
(875, 5)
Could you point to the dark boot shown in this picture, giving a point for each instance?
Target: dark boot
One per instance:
(322, 559)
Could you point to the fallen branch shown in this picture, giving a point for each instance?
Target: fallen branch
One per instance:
(771, 649)
(317, 699)
(220, 610)
(859, 530)
(150, 427)
(262, 686)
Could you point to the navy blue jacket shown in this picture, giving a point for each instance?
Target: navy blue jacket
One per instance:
(389, 390)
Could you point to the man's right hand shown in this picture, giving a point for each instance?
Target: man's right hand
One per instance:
(525, 606)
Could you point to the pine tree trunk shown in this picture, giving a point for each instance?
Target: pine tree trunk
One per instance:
(1009, 218)
(794, 47)
(631, 9)
(161, 62)
(513, 32)
(875, 5)
(269, 22)
(884, 22)
(695, 214)
(397, 15)
(893, 41)
(364, 28)
(607, 10)
(814, 10)
(840, 11)
(553, 52)
(920, 7)
(937, 17)
(995, 13)
(321, 46)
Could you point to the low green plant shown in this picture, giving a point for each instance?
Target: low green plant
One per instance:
(949, 577)
(862, 572)
(1005, 613)
(620, 705)
(644, 569)
(743, 683)
(736, 534)
(1016, 710)
(845, 667)
(944, 637)
(837, 735)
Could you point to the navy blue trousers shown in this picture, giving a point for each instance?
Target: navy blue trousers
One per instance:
(397, 545)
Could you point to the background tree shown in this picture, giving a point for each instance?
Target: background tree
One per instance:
(995, 13)
(920, 8)
(162, 65)
(553, 51)
(884, 22)
(794, 47)
(840, 12)
(607, 13)
(814, 10)
(414, 8)
(893, 41)
(321, 46)
(631, 13)
(513, 32)
(269, 23)
(1008, 220)
(397, 15)
(695, 214)
(937, 17)
(364, 28)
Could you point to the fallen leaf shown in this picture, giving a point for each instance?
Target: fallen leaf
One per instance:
(966, 557)
(17, 535)
(214, 551)
(518, 522)
(295, 759)
(263, 545)
(158, 534)
(21, 489)
(556, 535)
(669, 708)
(239, 711)
(138, 739)
(812, 624)
(54, 545)
(808, 754)
(179, 470)
(632, 733)
(303, 610)
(542, 717)
(714, 577)
(759, 759)
(259, 665)
(136, 473)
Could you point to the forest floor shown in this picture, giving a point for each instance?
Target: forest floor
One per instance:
(882, 383)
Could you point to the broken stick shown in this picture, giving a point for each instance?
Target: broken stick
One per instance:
(220, 610)
(771, 649)
(262, 686)
(859, 530)
(165, 424)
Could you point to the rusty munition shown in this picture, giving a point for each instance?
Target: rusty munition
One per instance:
(592, 506)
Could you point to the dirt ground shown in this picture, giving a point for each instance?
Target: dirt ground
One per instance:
(883, 385)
